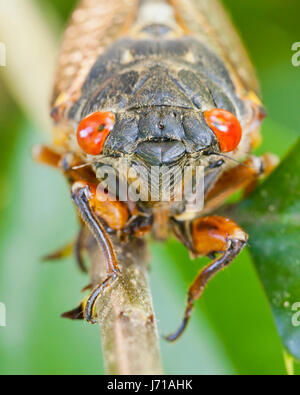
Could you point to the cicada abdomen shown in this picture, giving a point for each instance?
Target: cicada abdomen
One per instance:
(150, 84)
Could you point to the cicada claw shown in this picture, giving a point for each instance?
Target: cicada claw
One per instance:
(96, 294)
(76, 314)
(176, 335)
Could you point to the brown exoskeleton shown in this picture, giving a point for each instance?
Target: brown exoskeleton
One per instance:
(156, 83)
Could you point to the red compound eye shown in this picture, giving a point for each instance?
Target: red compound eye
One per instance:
(226, 127)
(93, 131)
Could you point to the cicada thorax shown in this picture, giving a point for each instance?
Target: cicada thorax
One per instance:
(160, 68)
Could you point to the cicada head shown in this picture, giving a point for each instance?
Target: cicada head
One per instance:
(137, 107)
(154, 113)
(159, 136)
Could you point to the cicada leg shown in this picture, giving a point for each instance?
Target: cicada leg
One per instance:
(62, 253)
(243, 177)
(68, 163)
(46, 156)
(76, 314)
(75, 248)
(78, 249)
(210, 236)
(81, 194)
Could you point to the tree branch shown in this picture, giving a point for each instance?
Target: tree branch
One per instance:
(126, 317)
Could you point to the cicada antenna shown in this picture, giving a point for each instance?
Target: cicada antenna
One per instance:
(232, 159)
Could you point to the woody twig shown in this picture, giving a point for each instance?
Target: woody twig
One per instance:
(125, 313)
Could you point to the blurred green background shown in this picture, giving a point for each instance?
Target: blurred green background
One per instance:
(232, 331)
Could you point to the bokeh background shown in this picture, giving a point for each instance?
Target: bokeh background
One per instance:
(232, 331)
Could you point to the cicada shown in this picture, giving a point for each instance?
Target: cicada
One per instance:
(145, 84)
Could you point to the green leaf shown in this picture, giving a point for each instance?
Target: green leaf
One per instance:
(272, 218)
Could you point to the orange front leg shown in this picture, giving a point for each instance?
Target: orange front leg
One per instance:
(93, 212)
(244, 177)
(101, 214)
(76, 247)
(209, 236)
(46, 156)
(68, 163)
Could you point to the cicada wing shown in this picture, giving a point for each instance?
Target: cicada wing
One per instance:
(211, 23)
(94, 25)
